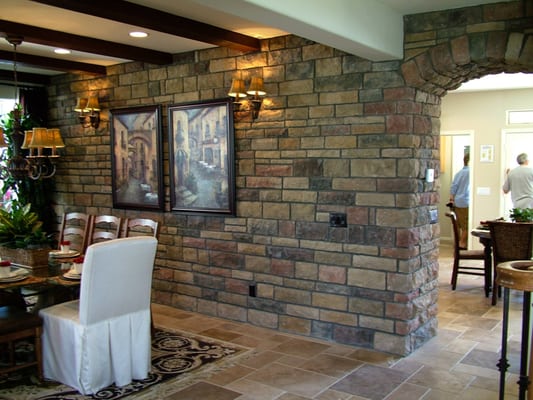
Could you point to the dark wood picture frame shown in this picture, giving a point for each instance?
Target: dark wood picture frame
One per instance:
(136, 158)
(201, 154)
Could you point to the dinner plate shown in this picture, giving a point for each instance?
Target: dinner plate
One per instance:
(15, 275)
(72, 275)
(64, 254)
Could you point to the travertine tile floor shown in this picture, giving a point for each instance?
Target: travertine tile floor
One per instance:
(459, 363)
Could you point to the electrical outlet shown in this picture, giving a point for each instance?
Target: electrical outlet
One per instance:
(433, 216)
(337, 220)
(252, 290)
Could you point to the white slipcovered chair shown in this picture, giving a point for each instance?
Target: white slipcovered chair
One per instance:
(104, 337)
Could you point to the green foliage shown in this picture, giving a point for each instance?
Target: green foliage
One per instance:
(38, 193)
(522, 214)
(21, 228)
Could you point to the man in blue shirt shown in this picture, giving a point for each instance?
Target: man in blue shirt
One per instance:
(460, 198)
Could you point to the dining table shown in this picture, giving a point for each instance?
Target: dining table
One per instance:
(49, 284)
(482, 232)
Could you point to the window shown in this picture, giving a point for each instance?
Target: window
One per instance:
(520, 117)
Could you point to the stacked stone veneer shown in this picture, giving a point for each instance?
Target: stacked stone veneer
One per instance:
(337, 133)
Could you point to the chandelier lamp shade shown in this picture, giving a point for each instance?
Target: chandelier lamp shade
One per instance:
(88, 109)
(39, 162)
(256, 90)
(33, 153)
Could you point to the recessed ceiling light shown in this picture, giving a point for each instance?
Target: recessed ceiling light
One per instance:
(62, 51)
(138, 34)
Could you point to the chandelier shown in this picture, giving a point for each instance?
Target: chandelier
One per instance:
(33, 152)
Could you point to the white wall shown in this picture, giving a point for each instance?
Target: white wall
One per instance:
(484, 113)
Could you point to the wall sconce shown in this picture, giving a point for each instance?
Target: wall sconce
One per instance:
(256, 89)
(89, 111)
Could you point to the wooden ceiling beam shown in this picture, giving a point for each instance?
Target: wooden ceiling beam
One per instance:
(54, 64)
(24, 78)
(48, 37)
(146, 17)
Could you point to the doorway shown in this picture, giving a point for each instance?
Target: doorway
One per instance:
(454, 145)
(514, 142)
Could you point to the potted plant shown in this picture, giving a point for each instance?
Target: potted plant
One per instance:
(522, 214)
(22, 239)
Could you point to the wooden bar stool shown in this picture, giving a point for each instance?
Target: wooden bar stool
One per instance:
(15, 325)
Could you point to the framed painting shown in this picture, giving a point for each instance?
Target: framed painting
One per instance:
(136, 158)
(202, 177)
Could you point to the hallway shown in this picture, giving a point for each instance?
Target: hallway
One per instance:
(459, 363)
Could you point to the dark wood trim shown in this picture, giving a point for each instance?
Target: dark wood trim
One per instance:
(134, 14)
(53, 63)
(53, 38)
(24, 77)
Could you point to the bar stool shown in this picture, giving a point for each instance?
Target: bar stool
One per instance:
(17, 324)
(517, 275)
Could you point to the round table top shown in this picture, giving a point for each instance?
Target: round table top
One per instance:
(516, 275)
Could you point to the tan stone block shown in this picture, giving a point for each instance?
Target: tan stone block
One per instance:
(251, 248)
(379, 324)
(302, 100)
(183, 277)
(367, 278)
(339, 258)
(243, 275)
(363, 306)
(338, 317)
(321, 111)
(355, 184)
(393, 344)
(376, 263)
(295, 296)
(341, 142)
(303, 270)
(232, 298)
(312, 143)
(295, 183)
(330, 301)
(285, 242)
(399, 218)
(257, 264)
(345, 97)
(264, 144)
(269, 155)
(190, 254)
(276, 210)
(299, 196)
(296, 87)
(375, 199)
(323, 154)
(302, 212)
(373, 168)
(222, 64)
(270, 195)
(319, 245)
(234, 313)
(295, 325)
(336, 168)
(265, 291)
(264, 319)
(301, 311)
(486, 27)
(329, 67)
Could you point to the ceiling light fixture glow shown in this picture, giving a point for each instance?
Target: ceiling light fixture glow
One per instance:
(138, 34)
(62, 51)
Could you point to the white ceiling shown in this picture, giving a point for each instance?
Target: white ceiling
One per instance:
(370, 29)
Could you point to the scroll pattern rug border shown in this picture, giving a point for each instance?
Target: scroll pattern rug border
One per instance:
(178, 358)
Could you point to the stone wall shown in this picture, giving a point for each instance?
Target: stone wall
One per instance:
(337, 133)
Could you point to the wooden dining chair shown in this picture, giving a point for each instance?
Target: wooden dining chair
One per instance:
(104, 227)
(140, 227)
(510, 241)
(75, 227)
(460, 255)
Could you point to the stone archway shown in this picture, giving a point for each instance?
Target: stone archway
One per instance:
(445, 49)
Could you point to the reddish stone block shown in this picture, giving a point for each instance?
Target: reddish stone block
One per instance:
(399, 123)
(273, 170)
(282, 267)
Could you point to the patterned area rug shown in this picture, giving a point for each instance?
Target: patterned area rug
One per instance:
(173, 355)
